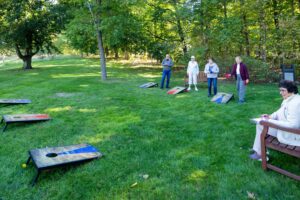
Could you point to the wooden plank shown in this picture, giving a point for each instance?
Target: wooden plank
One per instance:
(291, 147)
(284, 172)
(269, 139)
(297, 149)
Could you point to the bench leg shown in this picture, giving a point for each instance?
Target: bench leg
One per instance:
(36, 178)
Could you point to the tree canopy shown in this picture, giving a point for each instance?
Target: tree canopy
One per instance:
(265, 31)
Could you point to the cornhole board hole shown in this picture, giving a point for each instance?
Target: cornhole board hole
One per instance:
(177, 89)
(23, 118)
(15, 101)
(54, 157)
(149, 85)
(222, 97)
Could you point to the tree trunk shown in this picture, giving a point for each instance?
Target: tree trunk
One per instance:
(180, 30)
(97, 21)
(245, 30)
(102, 55)
(263, 31)
(27, 62)
(116, 51)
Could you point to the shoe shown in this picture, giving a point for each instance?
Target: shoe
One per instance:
(189, 89)
(253, 151)
(196, 89)
(241, 102)
(255, 156)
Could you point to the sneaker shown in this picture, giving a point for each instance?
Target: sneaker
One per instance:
(255, 156)
(196, 89)
(189, 89)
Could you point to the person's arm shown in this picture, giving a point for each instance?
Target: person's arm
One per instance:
(171, 63)
(188, 68)
(206, 69)
(163, 62)
(246, 74)
(216, 69)
(197, 69)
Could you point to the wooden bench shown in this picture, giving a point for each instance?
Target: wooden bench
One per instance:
(200, 78)
(268, 141)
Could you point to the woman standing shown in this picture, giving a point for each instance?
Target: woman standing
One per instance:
(211, 70)
(192, 72)
(240, 71)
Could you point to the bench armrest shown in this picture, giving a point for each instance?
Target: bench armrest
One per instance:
(272, 125)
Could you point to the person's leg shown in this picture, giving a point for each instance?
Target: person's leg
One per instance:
(257, 141)
(163, 79)
(168, 78)
(242, 91)
(215, 81)
(195, 81)
(190, 81)
(209, 80)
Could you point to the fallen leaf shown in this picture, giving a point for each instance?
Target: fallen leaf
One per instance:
(145, 176)
(133, 185)
(251, 195)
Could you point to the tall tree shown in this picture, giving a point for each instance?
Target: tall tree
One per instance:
(29, 26)
(96, 16)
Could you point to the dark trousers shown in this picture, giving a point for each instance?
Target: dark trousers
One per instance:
(166, 73)
(212, 81)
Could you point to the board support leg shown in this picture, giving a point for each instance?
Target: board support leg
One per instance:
(36, 178)
(28, 160)
(5, 126)
(2, 120)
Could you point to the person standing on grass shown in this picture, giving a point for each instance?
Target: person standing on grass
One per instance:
(167, 64)
(288, 115)
(240, 71)
(211, 70)
(193, 72)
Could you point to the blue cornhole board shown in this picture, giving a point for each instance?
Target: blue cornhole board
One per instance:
(15, 101)
(149, 85)
(222, 98)
(53, 157)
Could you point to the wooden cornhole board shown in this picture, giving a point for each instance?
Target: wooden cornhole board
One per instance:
(53, 157)
(15, 101)
(222, 97)
(9, 119)
(177, 89)
(149, 85)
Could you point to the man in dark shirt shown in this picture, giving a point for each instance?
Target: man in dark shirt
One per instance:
(167, 64)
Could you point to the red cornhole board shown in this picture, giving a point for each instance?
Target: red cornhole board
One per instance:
(53, 157)
(177, 89)
(149, 85)
(9, 119)
(14, 101)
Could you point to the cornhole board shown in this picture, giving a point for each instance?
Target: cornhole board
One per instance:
(15, 101)
(9, 119)
(149, 85)
(222, 97)
(177, 89)
(53, 157)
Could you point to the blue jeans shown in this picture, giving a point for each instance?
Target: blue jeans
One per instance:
(241, 88)
(212, 81)
(166, 73)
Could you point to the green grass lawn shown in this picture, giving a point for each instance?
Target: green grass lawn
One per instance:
(190, 148)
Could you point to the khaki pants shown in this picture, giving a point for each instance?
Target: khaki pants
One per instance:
(257, 141)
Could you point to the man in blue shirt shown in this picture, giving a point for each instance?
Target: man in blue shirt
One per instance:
(167, 64)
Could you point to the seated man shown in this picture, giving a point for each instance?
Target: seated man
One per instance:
(288, 115)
